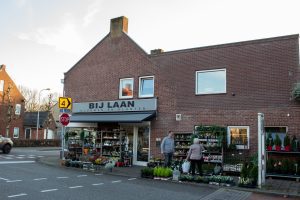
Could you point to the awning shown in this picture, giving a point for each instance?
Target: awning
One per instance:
(113, 117)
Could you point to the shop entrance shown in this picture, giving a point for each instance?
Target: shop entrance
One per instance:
(138, 143)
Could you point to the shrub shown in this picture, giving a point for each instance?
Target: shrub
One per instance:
(277, 140)
(287, 141)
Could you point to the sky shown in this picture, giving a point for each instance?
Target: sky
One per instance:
(40, 40)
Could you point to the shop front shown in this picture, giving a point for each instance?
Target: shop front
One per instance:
(122, 130)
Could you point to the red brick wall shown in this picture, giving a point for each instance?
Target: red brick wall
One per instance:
(260, 77)
(16, 98)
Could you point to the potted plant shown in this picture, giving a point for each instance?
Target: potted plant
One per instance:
(277, 143)
(269, 142)
(295, 144)
(287, 143)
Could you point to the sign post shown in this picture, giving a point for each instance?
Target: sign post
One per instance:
(64, 119)
(261, 150)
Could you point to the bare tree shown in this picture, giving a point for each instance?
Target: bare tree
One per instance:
(6, 107)
(32, 100)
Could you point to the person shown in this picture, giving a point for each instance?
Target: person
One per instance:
(195, 156)
(167, 148)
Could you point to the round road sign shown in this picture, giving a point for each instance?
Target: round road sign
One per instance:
(64, 119)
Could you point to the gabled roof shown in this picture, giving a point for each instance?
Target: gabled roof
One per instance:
(30, 118)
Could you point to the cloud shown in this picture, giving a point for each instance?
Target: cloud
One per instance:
(89, 17)
(65, 38)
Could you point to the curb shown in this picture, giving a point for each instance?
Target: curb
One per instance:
(259, 191)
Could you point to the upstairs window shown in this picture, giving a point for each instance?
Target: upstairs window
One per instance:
(18, 109)
(211, 81)
(1, 85)
(146, 86)
(126, 88)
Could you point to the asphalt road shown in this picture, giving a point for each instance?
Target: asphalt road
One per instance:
(21, 177)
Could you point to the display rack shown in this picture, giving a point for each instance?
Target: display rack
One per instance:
(182, 144)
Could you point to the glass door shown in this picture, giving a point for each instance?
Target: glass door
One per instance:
(143, 144)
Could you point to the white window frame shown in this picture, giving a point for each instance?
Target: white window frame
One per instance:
(140, 86)
(16, 128)
(120, 88)
(248, 137)
(205, 71)
(18, 109)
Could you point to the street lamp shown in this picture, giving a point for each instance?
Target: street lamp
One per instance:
(38, 115)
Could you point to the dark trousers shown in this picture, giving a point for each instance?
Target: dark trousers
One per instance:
(168, 159)
(193, 166)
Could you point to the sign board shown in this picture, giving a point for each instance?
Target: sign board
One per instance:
(116, 106)
(64, 119)
(65, 103)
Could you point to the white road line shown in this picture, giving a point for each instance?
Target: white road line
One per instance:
(40, 156)
(98, 184)
(39, 179)
(118, 181)
(131, 179)
(8, 158)
(17, 195)
(30, 157)
(83, 175)
(78, 186)
(98, 174)
(21, 155)
(13, 181)
(4, 179)
(61, 177)
(50, 190)
(16, 162)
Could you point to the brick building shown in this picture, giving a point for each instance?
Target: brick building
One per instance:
(11, 107)
(118, 85)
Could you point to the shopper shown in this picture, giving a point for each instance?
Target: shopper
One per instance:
(195, 156)
(167, 148)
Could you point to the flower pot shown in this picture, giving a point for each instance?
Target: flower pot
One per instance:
(287, 148)
(269, 148)
(278, 148)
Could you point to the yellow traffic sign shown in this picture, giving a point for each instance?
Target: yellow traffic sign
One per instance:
(65, 102)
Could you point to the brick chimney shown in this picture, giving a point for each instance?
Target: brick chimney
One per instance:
(156, 51)
(118, 25)
(2, 67)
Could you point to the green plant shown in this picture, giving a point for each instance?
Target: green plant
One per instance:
(269, 140)
(277, 140)
(287, 141)
(295, 144)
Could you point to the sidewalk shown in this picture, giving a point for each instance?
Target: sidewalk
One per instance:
(273, 186)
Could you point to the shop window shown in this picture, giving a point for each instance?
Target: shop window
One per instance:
(211, 81)
(16, 132)
(239, 136)
(126, 88)
(146, 86)
(18, 109)
(1, 85)
(274, 130)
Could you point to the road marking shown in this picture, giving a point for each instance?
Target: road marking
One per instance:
(83, 175)
(98, 184)
(131, 179)
(98, 174)
(21, 155)
(118, 181)
(50, 190)
(39, 179)
(13, 181)
(40, 156)
(8, 158)
(61, 177)
(30, 157)
(78, 186)
(16, 195)
(4, 179)
(16, 162)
